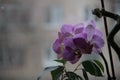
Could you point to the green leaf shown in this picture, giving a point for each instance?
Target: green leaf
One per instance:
(73, 76)
(61, 61)
(85, 74)
(57, 73)
(46, 70)
(92, 68)
(99, 65)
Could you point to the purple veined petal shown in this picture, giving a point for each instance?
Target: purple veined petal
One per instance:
(90, 30)
(62, 36)
(78, 28)
(67, 29)
(81, 35)
(56, 46)
(69, 42)
(67, 35)
(68, 54)
(98, 33)
(80, 42)
(97, 42)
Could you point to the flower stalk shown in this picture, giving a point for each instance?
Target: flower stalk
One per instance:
(106, 65)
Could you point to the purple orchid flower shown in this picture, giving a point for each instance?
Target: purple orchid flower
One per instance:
(66, 31)
(90, 40)
(71, 52)
(73, 41)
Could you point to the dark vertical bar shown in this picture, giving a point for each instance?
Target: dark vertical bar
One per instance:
(106, 65)
(109, 48)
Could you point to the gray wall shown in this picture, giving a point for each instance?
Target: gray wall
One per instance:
(29, 27)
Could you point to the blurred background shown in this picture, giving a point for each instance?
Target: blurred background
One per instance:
(29, 27)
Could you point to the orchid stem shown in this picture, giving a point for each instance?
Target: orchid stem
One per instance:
(77, 67)
(106, 65)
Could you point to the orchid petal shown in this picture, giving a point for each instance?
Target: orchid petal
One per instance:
(80, 42)
(81, 35)
(57, 45)
(97, 41)
(62, 36)
(98, 32)
(68, 54)
(78, 28)
(90, 30)
(67, 29)
(69, 42)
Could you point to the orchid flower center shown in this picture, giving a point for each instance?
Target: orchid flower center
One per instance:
(88, 49)
(77, 53)
(62, 47)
